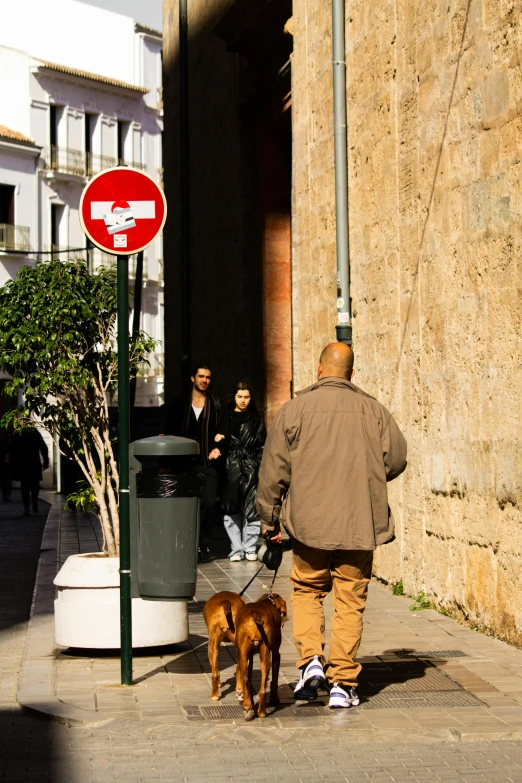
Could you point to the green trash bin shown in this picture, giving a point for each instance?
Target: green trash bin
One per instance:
(165, 487)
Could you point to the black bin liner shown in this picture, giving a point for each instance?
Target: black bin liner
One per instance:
(168, 485)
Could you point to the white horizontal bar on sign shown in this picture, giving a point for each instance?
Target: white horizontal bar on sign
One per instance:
(139, 209)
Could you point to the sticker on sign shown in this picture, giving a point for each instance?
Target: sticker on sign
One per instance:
(122, 210)
(120, 218)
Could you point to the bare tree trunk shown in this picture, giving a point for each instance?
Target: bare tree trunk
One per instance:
(105, 520)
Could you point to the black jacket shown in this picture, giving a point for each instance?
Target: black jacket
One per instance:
(243, 454)
(28, 451)
(182, 421)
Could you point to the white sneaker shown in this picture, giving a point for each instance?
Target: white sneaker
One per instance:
(235, 558)
(343, 696)
(312, 677)
(251, 555)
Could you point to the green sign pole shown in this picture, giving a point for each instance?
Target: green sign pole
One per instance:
(123, 448)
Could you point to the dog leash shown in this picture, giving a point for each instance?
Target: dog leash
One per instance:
(255, 575)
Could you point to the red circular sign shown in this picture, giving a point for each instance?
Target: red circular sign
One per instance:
(122, 210)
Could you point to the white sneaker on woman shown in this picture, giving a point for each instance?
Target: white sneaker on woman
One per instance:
(251, 555)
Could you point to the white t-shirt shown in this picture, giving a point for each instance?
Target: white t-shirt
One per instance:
(197, 412)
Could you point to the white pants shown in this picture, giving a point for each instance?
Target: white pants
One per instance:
(243, 533)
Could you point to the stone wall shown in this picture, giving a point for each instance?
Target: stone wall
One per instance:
(435, 131)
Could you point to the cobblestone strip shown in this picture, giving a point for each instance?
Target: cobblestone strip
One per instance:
(37, 688)
(20, 539)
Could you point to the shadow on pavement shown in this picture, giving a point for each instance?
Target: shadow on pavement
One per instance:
(29, 745)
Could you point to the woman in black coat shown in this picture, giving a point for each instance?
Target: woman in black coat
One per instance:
(241, 437)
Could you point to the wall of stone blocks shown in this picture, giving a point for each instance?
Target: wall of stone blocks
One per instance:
(435, 130)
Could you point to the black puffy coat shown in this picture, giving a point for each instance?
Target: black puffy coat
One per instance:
(243, 454)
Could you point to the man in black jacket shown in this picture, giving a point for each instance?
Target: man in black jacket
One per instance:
(196, 416)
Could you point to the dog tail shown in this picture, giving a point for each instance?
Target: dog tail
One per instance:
(228, 620)
(258, 619)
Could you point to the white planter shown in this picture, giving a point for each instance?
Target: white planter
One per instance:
(87, 609)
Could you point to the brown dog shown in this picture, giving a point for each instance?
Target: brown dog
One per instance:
(258, 630)
(220, 614)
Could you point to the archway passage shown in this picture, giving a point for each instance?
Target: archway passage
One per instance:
(240, 183)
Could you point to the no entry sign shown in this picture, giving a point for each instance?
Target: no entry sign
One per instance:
(122, 210)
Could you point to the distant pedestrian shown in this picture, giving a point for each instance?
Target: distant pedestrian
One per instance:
(5, 464)
(328, 457)
(195, 415)
(28, 453)
(241, 438)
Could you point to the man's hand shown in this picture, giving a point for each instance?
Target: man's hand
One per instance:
(219, 437)
(276, 537)
(214, 454)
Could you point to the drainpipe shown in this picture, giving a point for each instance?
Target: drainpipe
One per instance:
(184, 189)
(344, 305)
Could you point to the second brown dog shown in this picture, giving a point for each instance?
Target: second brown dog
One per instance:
(258, 630)
(220, 614)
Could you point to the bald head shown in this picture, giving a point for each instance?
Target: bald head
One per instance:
(337, 361)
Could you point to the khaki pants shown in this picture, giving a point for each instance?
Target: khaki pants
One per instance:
(314, 574)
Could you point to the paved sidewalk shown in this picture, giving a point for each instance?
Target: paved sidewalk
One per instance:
(425, 677)
(22, 737)
(20, 538)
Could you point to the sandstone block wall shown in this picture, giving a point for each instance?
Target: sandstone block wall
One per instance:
(435, 131)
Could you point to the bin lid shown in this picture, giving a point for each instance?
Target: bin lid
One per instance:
(163, 446)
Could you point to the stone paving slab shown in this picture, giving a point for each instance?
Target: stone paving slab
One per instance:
(146, 750)
(467, 687)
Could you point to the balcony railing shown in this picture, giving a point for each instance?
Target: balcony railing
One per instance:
(133, 262)
(97, 258)
(63, 160)
(60, 253)
(156, 366)
(97, 163)
(14, 237)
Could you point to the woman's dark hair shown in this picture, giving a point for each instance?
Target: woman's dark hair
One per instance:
(245, 386)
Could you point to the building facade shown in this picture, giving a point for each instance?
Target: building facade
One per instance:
(78, 99)
(434, 115)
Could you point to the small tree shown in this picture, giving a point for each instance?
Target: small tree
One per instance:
(58, 344)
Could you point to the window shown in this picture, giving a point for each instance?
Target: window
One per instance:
(7, 199)
(89, 123)
(89, 128)
(123, 136)
(55, 115)
(53, 126)
(57, 214)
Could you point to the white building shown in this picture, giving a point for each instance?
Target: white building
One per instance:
(81, 93)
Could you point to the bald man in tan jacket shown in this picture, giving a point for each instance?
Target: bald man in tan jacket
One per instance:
(328, 457)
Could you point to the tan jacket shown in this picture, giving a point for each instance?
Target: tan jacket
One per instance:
(327, 458)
